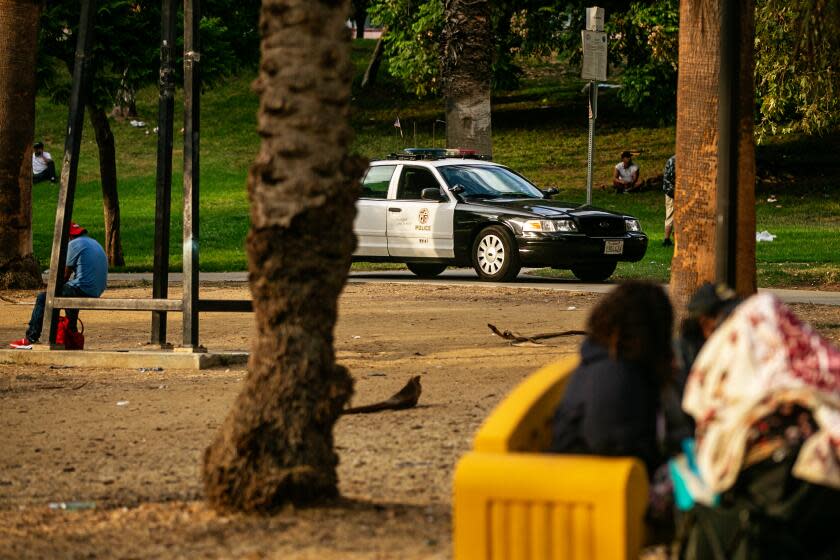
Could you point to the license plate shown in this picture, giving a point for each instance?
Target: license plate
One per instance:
(613, 246)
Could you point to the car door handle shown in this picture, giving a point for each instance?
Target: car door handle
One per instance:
(394, 209)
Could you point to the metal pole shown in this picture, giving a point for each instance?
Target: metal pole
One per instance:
(728, 120)
(192, 99)
(590, 153)
(70, 165)
(163, 200)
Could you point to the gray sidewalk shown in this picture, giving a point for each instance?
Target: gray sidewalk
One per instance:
(466, 277)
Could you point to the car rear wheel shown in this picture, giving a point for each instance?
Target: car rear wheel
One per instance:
(594, 272)
(495, 256)
(426, 270)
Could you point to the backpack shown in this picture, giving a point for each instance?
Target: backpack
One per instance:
(71, 340)
(767, 514)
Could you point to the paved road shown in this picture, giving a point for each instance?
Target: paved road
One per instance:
(467, 278)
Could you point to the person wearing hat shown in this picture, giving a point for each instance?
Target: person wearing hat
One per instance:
(710, 305)
(85, 275)
(626, 175)
(43, 166)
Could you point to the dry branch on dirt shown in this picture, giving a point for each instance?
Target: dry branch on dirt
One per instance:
(521, 340)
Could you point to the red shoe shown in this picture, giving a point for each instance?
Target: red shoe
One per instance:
(21, 343)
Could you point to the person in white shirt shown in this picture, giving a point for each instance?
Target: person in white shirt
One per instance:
(43, 166)
(626, 175)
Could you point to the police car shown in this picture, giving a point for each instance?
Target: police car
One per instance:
(436, 208)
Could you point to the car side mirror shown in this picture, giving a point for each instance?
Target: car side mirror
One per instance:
(432, 193)
(551, 191)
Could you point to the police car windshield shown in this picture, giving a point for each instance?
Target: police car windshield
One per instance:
(488, 181)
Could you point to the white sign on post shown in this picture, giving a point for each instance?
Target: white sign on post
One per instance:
(594, 65)
(595, 19)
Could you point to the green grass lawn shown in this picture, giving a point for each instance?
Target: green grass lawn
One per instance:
(538, 129)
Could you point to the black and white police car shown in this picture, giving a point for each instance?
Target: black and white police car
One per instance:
(433, 208)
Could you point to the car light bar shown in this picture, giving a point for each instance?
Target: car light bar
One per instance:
(438, 153)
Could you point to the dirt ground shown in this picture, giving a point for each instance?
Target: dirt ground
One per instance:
(65, 438)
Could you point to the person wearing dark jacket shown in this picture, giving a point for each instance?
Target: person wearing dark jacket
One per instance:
(613, 398)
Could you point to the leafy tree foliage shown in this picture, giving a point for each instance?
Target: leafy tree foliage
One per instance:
(797, 52)
(645, 37)
(124, 53)
(797, 58)
(412, 41)
(127, 39)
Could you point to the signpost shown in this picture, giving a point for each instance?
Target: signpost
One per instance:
(594, 69)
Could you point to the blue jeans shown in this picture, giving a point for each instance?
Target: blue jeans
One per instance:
(33, 333)
(47, 174)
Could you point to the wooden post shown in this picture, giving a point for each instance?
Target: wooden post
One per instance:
(70, 164)
(166, 112)
(192, 98)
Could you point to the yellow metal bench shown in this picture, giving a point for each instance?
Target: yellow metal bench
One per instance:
(513, 502)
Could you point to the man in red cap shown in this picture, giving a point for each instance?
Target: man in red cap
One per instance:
(85, 275)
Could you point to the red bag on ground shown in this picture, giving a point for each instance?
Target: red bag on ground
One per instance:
(72, 340)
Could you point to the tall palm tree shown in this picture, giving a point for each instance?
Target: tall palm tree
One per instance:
(276, 444)
(18, 57)
(466, 59)
(697, 158)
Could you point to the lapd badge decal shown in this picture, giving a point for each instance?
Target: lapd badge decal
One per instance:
(423, 218)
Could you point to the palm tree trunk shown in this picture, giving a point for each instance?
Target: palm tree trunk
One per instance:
(108, 178)
(19, 21)
(372, 70)
(697, 160)
(466, 58)
(276, 445)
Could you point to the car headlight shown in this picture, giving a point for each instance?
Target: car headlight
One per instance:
(548, 225)
(632, 225)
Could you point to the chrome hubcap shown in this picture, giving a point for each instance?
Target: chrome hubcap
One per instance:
(491, 254)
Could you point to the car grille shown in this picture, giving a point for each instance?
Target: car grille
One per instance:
(601, 226)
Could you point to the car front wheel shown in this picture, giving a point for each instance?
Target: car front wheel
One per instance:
(426, 270)
(495, 256)
(594, 272)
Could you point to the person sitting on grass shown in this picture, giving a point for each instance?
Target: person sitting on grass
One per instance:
(612, 399)
(43, 166)
(85, 275)
(626, 175)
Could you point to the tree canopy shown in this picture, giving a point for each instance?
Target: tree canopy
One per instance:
(797, 58)
(797, 51)
(126, 42)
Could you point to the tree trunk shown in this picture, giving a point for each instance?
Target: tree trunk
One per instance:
(18, 59)
(466, 58)
(125, 104)
(697, 158)
(375, 60)
(276, 445)
(360, 8)
(108, 177)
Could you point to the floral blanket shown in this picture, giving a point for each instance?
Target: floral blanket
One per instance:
(760, 361)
